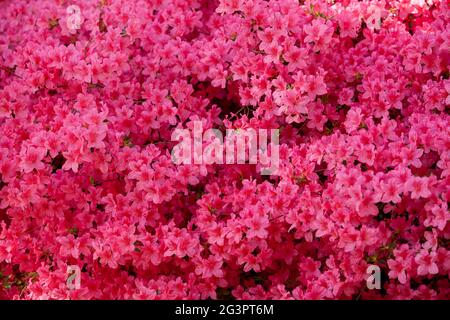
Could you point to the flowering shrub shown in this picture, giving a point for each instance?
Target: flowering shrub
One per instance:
(358, 89)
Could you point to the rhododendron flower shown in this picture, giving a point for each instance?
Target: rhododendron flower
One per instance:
(318, 32)
(353, 120)
(397, 270)
(349, 24)
(355, 94)
(419, 187)
(32, 159)
(257, 227)
(210, 267)
(426, 263)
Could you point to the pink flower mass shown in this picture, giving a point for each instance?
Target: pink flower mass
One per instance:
(89, 99)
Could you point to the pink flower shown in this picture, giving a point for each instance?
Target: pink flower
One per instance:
(94, 137)
(319, 33)
(32, 159)
(69, 247)
(397, 270)
(353, 120)
(438, 217)
(315, 86)
(418, 187)
(357, 89)
(349, 24)
(108, 257)
(391, 191)
(257, 226)
(426, 263)
(210, 267)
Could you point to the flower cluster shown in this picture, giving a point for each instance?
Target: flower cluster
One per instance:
(358, 89)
